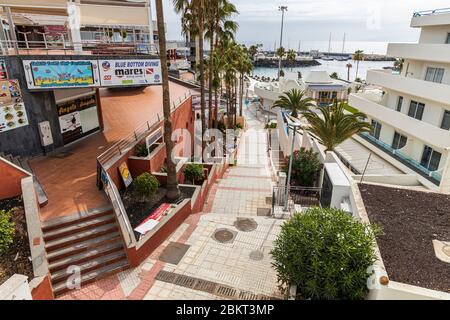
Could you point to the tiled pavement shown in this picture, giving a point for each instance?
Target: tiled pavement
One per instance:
(243, 264)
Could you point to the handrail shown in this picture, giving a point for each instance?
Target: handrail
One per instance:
(133, 138)
(431, 12)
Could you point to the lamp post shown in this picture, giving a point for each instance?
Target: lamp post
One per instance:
(282, 9)
(294, 126)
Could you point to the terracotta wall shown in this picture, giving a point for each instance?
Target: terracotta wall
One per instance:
(10, 177)
(136, 256)
(182, 118)
(44, 290)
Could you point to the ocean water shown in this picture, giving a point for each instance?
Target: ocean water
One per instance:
(330, 67)
(336, 46)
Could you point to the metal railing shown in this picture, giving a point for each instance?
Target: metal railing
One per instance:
(91, 47)
(303, 196)
(431, 12)
(433, 176)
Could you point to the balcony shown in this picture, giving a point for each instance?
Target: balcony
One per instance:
(437, 17)
(437, 92)
(423, 131)
(433, 176)
(420, 51)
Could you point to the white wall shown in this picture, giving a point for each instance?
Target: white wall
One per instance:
(435, 34)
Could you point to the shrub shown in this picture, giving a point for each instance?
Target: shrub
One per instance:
(305, 168)
(141, 150)
(145, 186)
(326, 253)
(238, 126)
(194, 172)
(6, 230)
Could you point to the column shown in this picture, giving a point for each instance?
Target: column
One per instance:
(150, 27)
(74, 20)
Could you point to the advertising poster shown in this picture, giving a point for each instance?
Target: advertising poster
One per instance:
(129, 72)
(54, 74)
(3, 71)
(77, 117)
(125, 174)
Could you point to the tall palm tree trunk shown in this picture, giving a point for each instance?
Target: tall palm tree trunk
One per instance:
(211, 75)
(173, 192)
(202, 73)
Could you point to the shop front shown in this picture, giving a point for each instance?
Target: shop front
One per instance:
(78, 113)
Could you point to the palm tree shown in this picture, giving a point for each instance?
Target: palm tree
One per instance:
(294, 100)
(358, 56)
(398, 64)
(244, 67)
(193, 13)
(217, 25)
(333, 126)
(349, 66)
(173, 192)
(291, 56)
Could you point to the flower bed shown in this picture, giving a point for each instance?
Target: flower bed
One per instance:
(15, 259)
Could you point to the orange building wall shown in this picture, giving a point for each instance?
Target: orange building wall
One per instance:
(10, 178)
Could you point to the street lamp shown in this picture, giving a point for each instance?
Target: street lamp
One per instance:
(294, 126)
(282, 9)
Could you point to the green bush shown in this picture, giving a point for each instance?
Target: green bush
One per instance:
(145, 186)
(305, 168)
(326, 253)
(6, 230)
(141, 150)
(238, 126)
(193, 172)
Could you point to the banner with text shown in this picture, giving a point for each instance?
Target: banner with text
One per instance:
(129, 72)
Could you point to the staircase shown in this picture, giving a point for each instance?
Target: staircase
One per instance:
(23, 164)
(278, 160)
(92, 242)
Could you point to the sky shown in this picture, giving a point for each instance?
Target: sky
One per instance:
(313, 20)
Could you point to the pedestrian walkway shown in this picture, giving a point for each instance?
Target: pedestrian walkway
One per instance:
(225, 249)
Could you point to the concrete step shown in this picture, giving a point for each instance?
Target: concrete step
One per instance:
(80, 236)
(78, 227)
(84, 246)
(63, 222)
(89, 266)
(79, 258)
(61, 288)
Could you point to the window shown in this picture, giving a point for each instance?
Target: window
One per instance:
(446, 120)
(448, 38)
(399, 104)
(434, 74)
(430, 159)
(416, 110)
(376, 129)
(399, 141)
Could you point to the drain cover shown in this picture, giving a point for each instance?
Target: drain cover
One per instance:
(256, 255)
(245, 225)
(224, 235)
(173, 253)
(262, 212)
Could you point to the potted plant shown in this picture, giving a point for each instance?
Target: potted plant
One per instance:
(141, 150)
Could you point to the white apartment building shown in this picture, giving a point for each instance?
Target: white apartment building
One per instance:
(411, 110)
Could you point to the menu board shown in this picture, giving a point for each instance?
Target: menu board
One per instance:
(54, 74)
(12, 109)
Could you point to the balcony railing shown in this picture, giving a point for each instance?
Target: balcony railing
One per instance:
(431, 12)
(433, 176)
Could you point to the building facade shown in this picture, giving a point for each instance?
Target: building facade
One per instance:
(410, 109)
